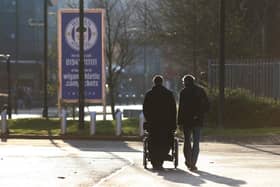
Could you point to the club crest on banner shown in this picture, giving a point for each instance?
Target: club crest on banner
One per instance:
(72, 34)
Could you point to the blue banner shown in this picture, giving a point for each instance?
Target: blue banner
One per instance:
(70, 58)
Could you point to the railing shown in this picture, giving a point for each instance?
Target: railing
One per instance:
(260, 77)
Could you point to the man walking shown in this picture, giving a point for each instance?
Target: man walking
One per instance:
(193, 103)
(159, 109)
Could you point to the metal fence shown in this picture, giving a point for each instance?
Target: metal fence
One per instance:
(260, 77)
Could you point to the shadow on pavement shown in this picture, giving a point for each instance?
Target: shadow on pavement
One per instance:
(220, 179)
(197, 178)
(109, 147)
(179, 176)
(104, 146)
(259, 149)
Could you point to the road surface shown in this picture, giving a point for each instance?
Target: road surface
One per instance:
(219, 165)
(114, 163)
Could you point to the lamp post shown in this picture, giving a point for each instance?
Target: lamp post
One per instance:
(222, 64)
(144, 52)
(195, 39)
(81, 67)
(7, 57)
(45, 106)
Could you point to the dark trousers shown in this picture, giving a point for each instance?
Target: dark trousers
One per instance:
(159, 145)
(191, 145)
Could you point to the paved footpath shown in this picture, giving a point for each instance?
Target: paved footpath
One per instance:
(219, 165)
(115, 163)
(36, 163)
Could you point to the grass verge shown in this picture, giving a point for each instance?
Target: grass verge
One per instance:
(51, 127)
(230, 132)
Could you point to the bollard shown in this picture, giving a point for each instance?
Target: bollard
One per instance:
(4, 122)
(118, 122)
(92, 123)
(63, 121)
(141, 124)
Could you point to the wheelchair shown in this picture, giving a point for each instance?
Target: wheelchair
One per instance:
(173, 152)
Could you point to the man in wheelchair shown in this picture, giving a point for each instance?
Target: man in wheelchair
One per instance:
(159, 109)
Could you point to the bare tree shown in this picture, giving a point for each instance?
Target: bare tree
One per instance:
(72, 4)
(120, 42)
(189, 30)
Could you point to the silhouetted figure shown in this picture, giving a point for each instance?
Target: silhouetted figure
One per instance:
(28, 97)
(193, 103)
(159, 109)
(20, 97)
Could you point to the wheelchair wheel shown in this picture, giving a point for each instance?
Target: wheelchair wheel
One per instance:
(175, 156)
(145, 153)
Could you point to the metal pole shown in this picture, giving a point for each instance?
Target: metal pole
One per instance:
(144, 52)
(45, 110)
(141, 123)
(118, 122)
(16, 57)
(92, 123)
(222, 64)
(4, 127)
(194, 40)
(9, 110)
(63, 121)
(81, 68)
(17, 31)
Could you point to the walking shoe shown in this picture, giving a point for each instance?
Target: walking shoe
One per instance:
(188, 165)
(193, 168)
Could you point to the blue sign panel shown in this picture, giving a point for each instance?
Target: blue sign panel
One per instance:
(70, 58)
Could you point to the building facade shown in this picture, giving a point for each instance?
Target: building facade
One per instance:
(22, 37)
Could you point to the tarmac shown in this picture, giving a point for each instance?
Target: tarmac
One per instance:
(75, 163)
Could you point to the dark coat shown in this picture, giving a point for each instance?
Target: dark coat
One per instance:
(159, 109)
(193, 104)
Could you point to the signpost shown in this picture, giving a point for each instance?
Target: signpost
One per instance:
(69, 56)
